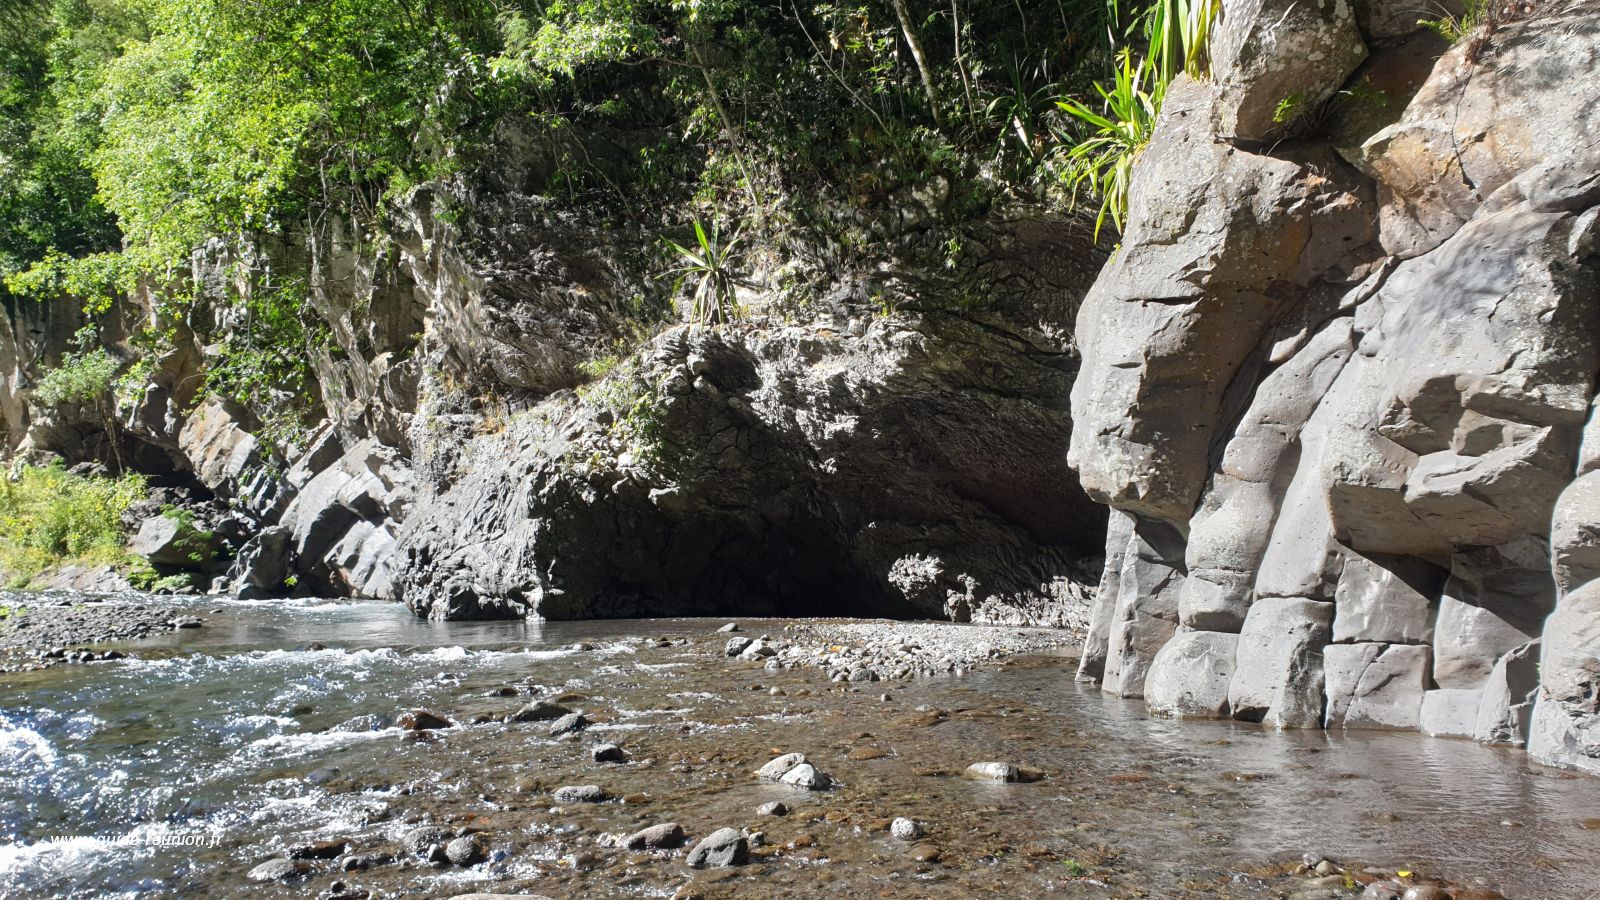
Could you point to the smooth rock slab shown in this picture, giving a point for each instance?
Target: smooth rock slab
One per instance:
(1374, 685)
(1506, 710)
(723, 847)
(1450, 712)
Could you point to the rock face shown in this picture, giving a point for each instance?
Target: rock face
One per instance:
(899, 463)
(1335, 387)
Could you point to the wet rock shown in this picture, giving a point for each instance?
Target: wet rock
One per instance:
(422, 720)
(906, 829)
(1190, 675)
(926, 853)
(278, 870)
(737, 646)
(1425, 892)
(656, 837)
(1382, 890)
(807, 777)
(608, 753)
(580, 793)
(187, 622)
(540, 711)
(723, 847)
(463, 851)
(419, 839)
(1004, 773)
(318, 850)
(779, 766)
(775, 808)
(568, 724)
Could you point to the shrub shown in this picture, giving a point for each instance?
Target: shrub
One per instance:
(50, 518)
(81, 378)
(709, 266)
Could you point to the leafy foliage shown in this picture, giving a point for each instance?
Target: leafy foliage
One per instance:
(82, 378)
(1174, 36)
(50, 518)
(1452, 27)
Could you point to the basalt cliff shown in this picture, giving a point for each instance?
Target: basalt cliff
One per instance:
(1335, 384)
(1338, 384)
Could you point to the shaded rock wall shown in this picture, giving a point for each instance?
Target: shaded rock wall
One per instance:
(1336, 384)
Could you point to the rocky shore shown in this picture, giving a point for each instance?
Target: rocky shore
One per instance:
(42, 629)
(887, 650)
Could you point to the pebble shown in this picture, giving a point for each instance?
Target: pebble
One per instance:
(775, 808)
(723, 847)
(609, 753)
(656, 837)
(580, 793)
(906, 829)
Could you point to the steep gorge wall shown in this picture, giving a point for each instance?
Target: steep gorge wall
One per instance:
(1338, 383)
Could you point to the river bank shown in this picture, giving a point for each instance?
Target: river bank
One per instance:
(306, 748)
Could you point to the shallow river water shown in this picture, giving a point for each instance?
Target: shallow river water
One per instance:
(248, 738)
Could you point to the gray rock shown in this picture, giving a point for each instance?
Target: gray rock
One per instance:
(1278, 676)
(463, 851)
(1386, 600)
(720, 848)
(568, 724)
(419, 839)
(807, 777)
(775, 808)
(737, 646)
(608, 753)
(1005, 773)
(779, 766)
(1266, 53)
(728, 628)
(168, 540)
(1375, 685)
(540, 711)
(1506, 711)
(1450, 712)
(656, 837)
(580, 793)
(1566, 716)
(906, 829)
(1191, 675)
(278, 870)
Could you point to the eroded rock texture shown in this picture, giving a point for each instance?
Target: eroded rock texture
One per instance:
(1336, 382)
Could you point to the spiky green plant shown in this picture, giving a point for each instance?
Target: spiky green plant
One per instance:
(1103, 161)
(709, 265)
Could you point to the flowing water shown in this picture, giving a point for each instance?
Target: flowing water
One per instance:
(174, 773)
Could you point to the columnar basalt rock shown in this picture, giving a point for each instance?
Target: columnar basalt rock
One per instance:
(1357, 400)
